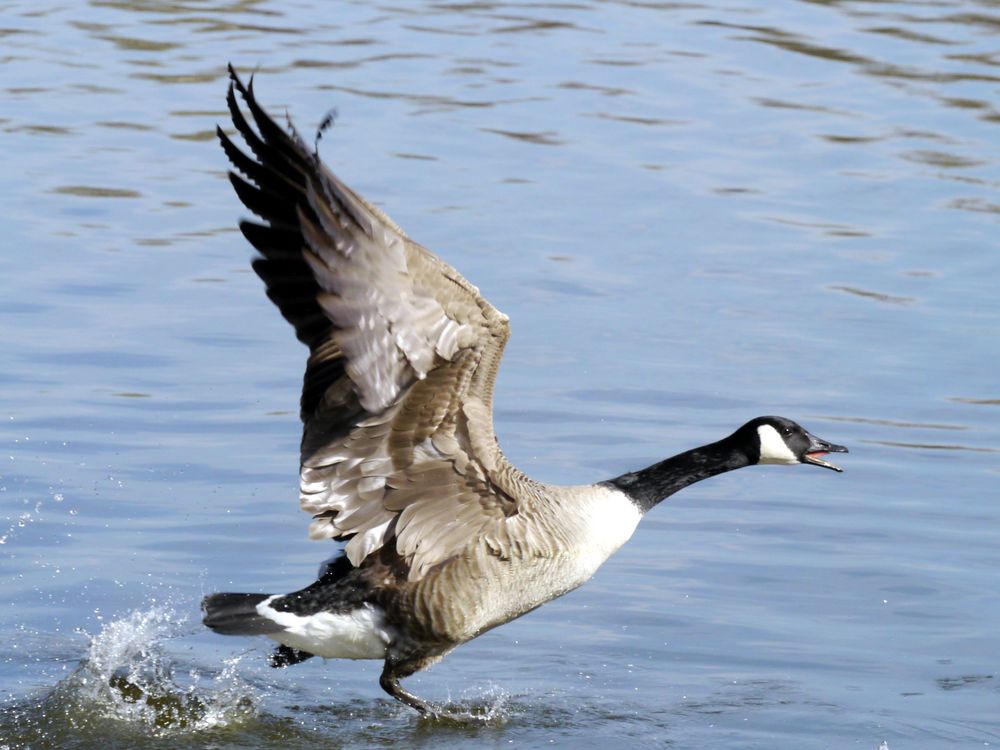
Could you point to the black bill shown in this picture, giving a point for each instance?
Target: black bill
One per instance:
(819, 448)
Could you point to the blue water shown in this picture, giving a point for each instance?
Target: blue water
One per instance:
(693, 214)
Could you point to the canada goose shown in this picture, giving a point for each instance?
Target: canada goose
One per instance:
(445, 539)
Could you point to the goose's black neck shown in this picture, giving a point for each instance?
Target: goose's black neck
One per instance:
(651, 485)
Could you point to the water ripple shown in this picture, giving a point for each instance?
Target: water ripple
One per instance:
(781, 207)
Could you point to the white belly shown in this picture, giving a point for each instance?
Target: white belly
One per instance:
(359, 634)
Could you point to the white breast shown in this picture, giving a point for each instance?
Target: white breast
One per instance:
(607, 519)
(585, 526)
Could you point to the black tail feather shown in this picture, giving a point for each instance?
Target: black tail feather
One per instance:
(236, 614)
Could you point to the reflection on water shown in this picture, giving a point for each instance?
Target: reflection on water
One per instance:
(693, 213)
(933, 446)
(877, 296)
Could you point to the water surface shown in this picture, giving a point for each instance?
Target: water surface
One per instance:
(694, 213)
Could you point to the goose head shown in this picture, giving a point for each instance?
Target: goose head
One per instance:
(777, 440)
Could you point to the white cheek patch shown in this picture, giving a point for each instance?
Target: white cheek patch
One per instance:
(772, 447)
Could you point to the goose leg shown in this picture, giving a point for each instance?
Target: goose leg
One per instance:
(389, 681)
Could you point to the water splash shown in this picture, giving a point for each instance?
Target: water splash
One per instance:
(21, 520)
(492, 706)
(127, 675)
(128, 686)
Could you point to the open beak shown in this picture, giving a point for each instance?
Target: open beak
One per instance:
(819, 448)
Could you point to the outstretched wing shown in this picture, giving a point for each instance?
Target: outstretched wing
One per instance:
(398, 444)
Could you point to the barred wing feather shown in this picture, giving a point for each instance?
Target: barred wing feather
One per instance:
(398, 445)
